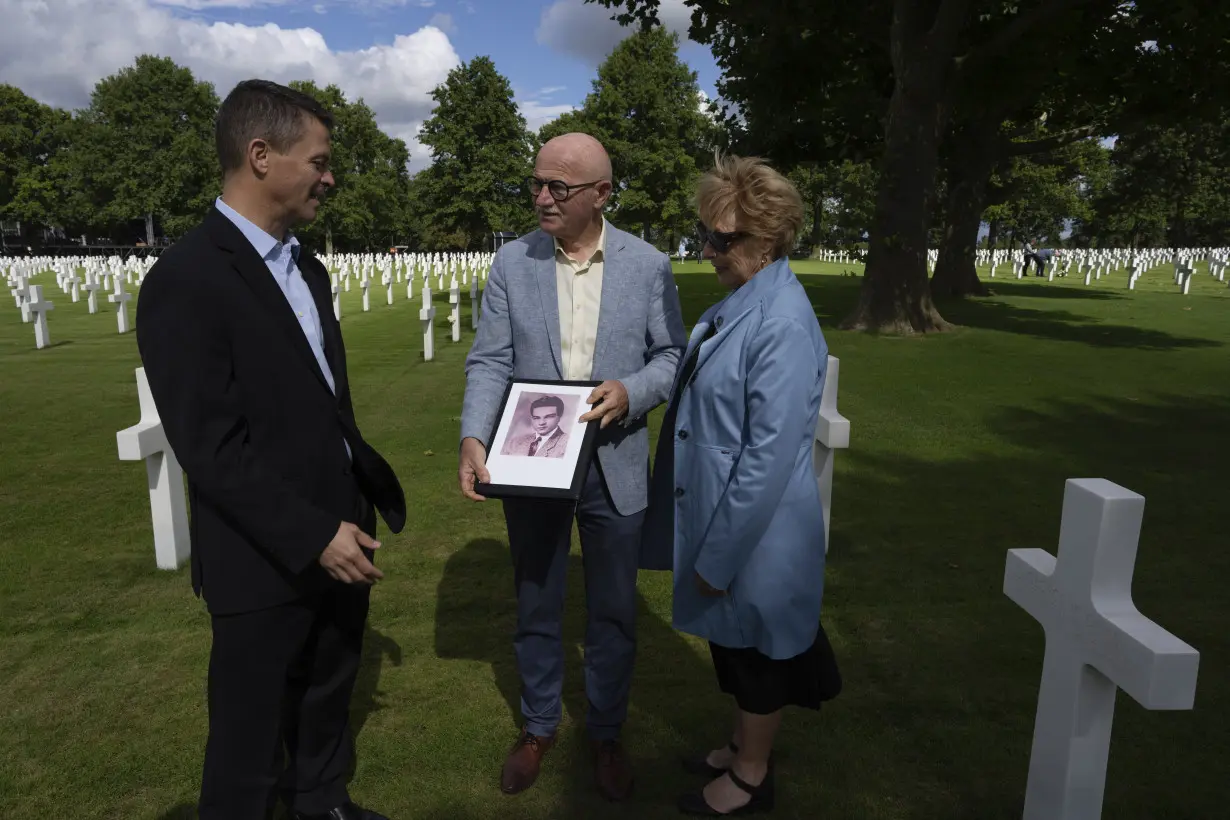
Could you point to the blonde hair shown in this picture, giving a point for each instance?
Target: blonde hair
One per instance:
(763, 202)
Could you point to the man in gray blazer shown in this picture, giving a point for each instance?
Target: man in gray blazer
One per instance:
(576, 300)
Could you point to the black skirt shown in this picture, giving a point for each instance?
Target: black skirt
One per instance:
(762, 685)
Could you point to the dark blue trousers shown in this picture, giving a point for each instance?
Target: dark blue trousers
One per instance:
(540, 535)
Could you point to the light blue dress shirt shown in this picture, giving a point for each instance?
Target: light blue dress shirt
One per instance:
(281, 258)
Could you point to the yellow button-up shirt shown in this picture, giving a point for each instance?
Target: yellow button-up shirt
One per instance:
(579, 284)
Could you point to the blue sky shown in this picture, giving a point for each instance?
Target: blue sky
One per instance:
(537, 44)
(389, 52)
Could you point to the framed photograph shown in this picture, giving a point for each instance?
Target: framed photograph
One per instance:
(539, 448)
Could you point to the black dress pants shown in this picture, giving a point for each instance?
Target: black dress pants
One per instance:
(280, 682)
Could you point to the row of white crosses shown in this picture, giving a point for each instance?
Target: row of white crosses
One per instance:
(458, 269)
(101, 273)
(827, 255)
(1096, 640)
(1091, 264)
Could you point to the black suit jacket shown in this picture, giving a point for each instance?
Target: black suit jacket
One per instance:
(249, 415)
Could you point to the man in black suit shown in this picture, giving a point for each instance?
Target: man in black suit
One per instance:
(246, 364)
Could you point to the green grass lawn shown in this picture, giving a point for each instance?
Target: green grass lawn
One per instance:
(961, 444)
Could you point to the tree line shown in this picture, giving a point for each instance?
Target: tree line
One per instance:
(907, 126)
(958, 102)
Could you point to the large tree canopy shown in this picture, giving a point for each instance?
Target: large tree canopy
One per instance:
(645, 108)
(810, 81)
(481, 150)
(367, 209)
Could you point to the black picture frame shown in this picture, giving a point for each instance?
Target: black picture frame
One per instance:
(583, 459)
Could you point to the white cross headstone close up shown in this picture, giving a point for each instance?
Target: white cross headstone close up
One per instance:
(474, 302)
(92, 286)
(832, 434)
(454, 310)
(147, 441)
(38, 309)
(427, 315)
(120, 300)
(1096, 641)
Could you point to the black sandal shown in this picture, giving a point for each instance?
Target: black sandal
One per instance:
(694, 803)
(699, 764)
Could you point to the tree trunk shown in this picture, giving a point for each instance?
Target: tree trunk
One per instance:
(328, 241)
(817, 214)
(149, 229)
(993, 235)
(971, 164)
(895, 296)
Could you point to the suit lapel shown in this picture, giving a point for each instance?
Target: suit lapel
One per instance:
(548, 291)
(723, 333)
(335, 353)
(615, 281)
(255, 273)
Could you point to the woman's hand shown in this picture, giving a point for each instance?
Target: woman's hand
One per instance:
(707, 590)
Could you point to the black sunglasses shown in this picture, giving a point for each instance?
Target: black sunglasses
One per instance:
(558, 189)
(720, 240)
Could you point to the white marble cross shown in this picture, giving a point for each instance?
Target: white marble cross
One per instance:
(92, 286)
(148, 441)
(120, 300)
(74, 283)
(366, 284)
(832, 433)
(427, 315)
(1096, 641)
(474, 301)
(454, 310)
(38, 309)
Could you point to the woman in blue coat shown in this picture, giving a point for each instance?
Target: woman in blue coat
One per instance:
(734, 492)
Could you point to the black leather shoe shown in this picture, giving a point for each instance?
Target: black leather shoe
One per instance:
(694, 803)
(346, 811)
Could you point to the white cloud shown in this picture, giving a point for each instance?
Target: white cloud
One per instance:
(56, 50)
(444, 22)
(551, 90)
(587, 32)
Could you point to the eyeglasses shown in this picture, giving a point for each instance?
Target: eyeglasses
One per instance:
(720, 240)
(558, 189)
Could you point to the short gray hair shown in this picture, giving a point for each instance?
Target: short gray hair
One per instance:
(260, 109)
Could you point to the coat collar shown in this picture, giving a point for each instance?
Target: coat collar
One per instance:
(735, 307)
(247, 261)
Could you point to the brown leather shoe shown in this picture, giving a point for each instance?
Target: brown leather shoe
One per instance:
(612, 769)
(524, 759)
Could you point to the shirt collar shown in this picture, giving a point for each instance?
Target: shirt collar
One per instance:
(599, 252)
(266, 245)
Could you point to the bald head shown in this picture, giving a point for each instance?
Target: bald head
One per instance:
(580, 153)
(579, 162)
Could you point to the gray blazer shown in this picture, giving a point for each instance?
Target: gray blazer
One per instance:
(640, 341)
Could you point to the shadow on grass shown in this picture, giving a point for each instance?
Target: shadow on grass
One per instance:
(475, 622)
(1038, 290)
(835, 297)
(366, 698)
(1064, 326)
(184, 811)
(943, 669)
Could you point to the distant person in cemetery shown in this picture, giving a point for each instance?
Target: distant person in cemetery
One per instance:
(247, 367)
(579, 300)
(1031, 255)
(734, 495)
(548, 439)
(1044, 260)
